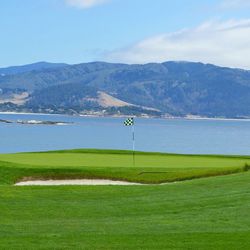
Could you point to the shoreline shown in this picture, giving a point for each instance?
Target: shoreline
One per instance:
(191, 118)
(27, 113)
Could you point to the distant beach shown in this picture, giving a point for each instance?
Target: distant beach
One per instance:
(191, 117)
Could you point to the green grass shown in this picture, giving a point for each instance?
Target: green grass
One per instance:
(118, 165)
(204, 213)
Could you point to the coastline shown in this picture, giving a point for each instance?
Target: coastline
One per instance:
(26, 113)
(217, 119)
(192, 118)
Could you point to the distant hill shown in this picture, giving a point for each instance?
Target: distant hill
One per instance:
(29, 67)
(157, 89)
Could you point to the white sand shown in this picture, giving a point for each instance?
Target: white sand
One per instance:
(83, 182)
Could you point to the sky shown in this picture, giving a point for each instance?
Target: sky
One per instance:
(125, 31)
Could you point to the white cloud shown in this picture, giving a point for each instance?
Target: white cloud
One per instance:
(222, 43)
(84, 4)
(232, 4)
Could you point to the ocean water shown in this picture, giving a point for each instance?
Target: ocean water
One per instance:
(161, 135)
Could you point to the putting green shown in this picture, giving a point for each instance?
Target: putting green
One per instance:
(118, 165)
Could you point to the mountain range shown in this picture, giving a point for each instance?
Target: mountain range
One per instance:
(100, 88)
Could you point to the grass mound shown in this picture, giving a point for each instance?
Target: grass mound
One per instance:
(150, 168)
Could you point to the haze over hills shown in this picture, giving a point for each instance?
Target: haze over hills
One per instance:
(155, 89)
(29, 67)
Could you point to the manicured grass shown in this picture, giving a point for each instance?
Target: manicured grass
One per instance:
(207, 213)
(149, 167)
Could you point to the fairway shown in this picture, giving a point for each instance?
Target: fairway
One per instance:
(206, 209)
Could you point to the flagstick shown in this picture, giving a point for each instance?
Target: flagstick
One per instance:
(133, 138)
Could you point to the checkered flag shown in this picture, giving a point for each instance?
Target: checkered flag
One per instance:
(129, 122)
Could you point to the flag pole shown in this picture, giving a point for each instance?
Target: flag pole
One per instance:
(133, 139)
(130, 122)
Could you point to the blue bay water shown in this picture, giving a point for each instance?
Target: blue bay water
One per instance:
(162, 135)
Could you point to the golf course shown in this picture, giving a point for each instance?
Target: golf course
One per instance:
(184, 202)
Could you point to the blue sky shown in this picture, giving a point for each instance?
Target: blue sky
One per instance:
(132, 31)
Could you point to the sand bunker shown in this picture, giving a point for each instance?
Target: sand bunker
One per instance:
(83, 182)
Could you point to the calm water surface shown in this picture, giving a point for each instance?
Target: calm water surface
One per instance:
(177, 136)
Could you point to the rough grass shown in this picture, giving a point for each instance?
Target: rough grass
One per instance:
(207, 213)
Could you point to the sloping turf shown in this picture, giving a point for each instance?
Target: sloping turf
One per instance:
(207, 213)
(118, 165)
